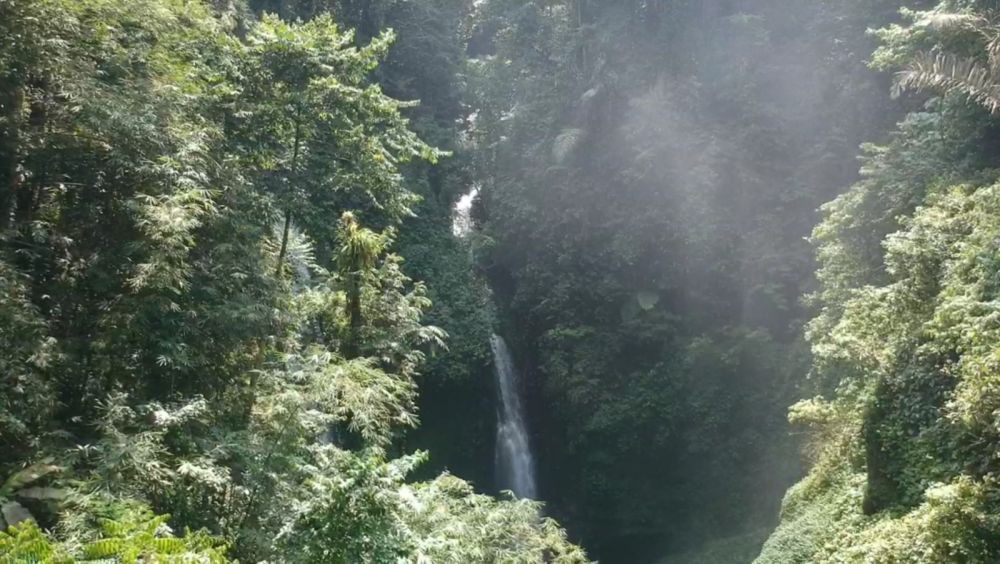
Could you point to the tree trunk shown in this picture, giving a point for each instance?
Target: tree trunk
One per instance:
(352, 348)
(10, 138)
(284, 243)
(26, 196)
(288, 212)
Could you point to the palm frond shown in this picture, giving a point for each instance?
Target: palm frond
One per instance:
(952, 21)
(946, 72)
(566, 143)
(993, 51)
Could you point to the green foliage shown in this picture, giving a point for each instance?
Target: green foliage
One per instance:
(426, 63)
(904, 466)
(650, 171)
(942, 69)
(25, 542)
(135, 536)
(139, 536)
(351, 512)
(185, 328)
(948, 527)
(453, 524)
(27, 399)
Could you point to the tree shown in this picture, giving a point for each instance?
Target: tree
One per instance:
(975, 75)
(186, 332)
(898, 341)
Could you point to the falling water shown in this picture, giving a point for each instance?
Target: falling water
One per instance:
(461, 217)
(514, 464)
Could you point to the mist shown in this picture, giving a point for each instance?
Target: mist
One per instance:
(652, 174)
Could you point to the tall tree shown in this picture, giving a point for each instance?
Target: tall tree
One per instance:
(189, 339)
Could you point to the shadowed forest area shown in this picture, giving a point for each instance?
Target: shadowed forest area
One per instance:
(500, 281)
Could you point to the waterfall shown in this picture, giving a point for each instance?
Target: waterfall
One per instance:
(515, 466)
(461, 213)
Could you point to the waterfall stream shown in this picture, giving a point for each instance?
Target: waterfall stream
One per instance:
(461, 216)
(515, 467)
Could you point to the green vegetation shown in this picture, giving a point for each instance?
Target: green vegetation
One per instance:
(236, 324)
(209, 348)
(904, 441)
(651, 171)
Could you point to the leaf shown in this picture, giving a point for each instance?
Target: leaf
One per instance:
(943, 21)
(946, 72)
(104, 548)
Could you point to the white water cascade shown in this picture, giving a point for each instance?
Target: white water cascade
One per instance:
(515, 467)
(461, 216)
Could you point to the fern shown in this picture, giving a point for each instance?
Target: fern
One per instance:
(141, 536)
(104, 548)
(25, 542)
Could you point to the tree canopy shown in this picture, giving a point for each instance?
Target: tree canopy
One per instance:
(210, 350)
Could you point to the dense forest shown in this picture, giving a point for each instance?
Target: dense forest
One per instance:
(512, 281)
